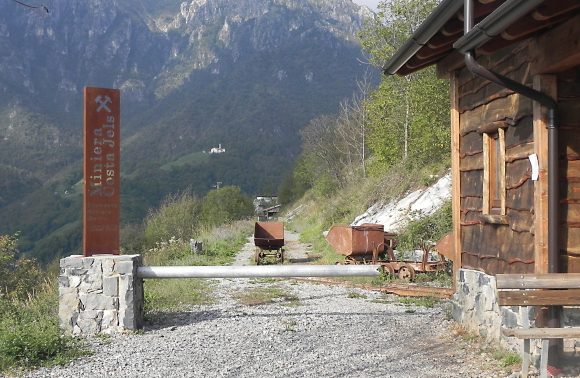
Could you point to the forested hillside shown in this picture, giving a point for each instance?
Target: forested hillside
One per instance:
(245, 74)
(402, 123)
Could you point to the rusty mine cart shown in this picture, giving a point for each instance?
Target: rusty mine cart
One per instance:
(370, 244)
(269, 240)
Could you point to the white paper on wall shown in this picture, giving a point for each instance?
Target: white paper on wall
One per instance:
(535, 166)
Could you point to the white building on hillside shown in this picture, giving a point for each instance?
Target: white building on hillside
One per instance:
(217, 150)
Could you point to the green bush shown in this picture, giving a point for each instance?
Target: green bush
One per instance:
(177, 217)
(430, 228)
(225, 205)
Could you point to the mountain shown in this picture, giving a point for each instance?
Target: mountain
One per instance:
(246, 74)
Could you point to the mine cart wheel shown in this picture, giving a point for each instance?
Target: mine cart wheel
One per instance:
(349, 260)
(281, 255)
(407, 272)
(388, 269)
(257, 256)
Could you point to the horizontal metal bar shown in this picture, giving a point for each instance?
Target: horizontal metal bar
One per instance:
(252, 271)
(538, 281)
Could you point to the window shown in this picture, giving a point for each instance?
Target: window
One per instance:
(494, 173)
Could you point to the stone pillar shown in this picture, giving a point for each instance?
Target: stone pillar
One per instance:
(475, 306)
(100, 294)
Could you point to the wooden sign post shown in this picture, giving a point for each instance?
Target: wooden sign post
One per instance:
(101, 208)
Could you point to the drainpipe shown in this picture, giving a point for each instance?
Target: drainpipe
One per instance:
(542, 98)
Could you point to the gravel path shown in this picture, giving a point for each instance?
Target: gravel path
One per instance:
(315, 330)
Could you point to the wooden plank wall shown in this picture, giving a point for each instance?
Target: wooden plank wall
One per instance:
(569, 106)
(483, 106)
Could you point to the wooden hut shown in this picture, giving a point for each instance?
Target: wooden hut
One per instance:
(515, 163)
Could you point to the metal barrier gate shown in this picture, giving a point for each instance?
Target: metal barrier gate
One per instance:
(259, 271)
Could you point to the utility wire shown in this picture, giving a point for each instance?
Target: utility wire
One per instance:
(41, 6)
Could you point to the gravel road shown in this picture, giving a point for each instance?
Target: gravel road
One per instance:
(312, 330)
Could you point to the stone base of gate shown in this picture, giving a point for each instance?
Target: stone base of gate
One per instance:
(100, 294)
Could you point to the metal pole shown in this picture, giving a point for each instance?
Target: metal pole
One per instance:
(252, 271)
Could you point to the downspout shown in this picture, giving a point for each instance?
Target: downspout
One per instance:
(551, 104)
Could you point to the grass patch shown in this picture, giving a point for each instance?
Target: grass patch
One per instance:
(193, 159)
(266, 280)
(439, 279)
(264, 295)
(30, 336)
(220, 245)
(385, 300)
(104, 338)
(289, 325)
(427, 302)
(175, 295)
(463, 333)
(353, 294)
(506, 358)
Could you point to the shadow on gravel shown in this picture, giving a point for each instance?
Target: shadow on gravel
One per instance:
(163, 320)
(302, 260)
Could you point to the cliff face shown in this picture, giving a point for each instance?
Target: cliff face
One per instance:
(121, 44)
(245, 73)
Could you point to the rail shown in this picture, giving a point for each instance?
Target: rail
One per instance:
(259, 271)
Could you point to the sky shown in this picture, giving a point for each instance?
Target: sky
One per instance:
(369, 3)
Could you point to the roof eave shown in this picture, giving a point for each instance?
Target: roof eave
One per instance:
(495, 23)
(426, 31)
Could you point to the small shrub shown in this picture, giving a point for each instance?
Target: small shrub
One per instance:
(430, 228)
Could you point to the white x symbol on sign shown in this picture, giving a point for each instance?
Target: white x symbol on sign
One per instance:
(103, 101)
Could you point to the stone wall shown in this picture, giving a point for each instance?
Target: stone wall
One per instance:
(100, 294)
(475, 306)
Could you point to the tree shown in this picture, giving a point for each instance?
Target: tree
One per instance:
(19, 277)
(407, 116)
(335, 145)
(225, 205)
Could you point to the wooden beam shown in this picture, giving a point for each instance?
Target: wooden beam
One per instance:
(538, 281)
(567, 297)
(548, 85)
(542, 333)
(559, 49)
(502, 178)
(455, 175)
(418, 291)
(486, 174)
